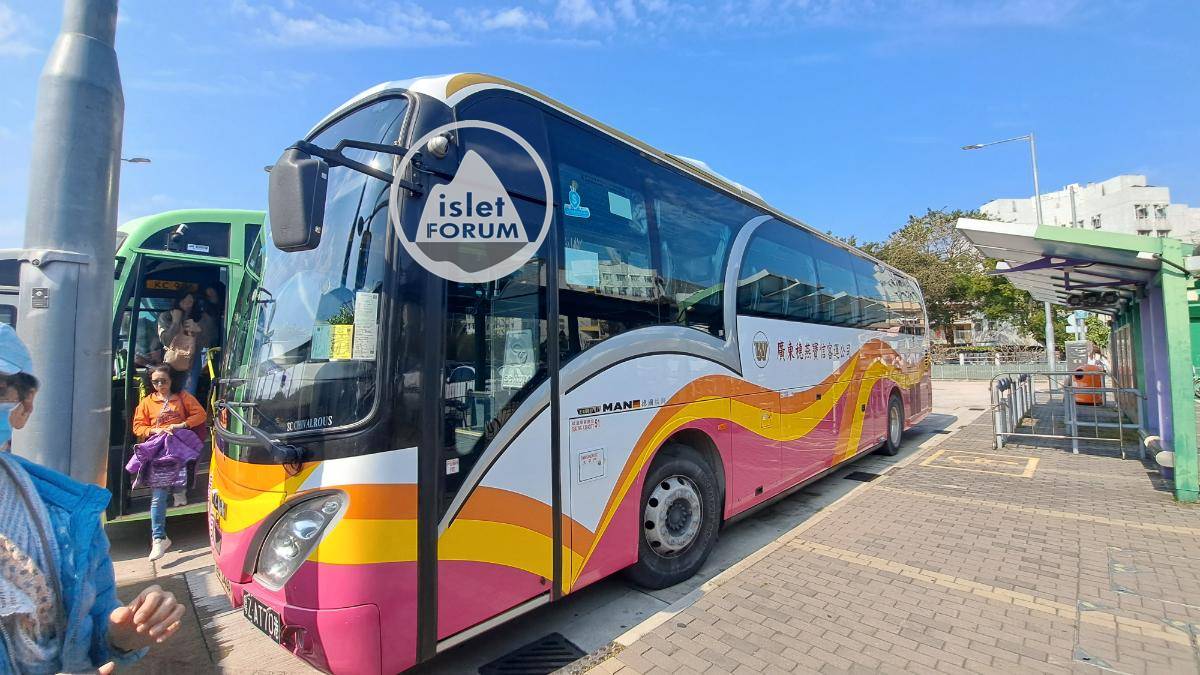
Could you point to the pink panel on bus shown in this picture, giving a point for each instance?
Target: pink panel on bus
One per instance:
(756, 465)
(813, 452)
(390, 587)
(472, 592)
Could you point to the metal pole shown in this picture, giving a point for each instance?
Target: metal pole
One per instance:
(1051, 359)
(1037, 193)
(66, 271)
(1037, 204)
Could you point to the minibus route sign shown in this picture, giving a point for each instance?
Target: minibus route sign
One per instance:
(470, 230)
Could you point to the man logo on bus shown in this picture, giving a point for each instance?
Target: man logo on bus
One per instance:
(469, 229)
(761, 349)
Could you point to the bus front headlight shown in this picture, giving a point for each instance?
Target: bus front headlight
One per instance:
(294, 536)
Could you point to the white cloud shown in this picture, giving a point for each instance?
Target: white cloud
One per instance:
(13, 28)
(380, 25)
(583, 13)
(513, 19)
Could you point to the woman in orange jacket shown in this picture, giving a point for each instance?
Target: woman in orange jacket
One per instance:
(165, 410)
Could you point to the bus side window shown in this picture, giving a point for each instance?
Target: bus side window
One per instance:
(695, 229)
(778, 278)
(838, 298)
(872, 302)
(610, 284)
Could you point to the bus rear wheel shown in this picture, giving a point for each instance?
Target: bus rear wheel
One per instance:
(895, 426)
(680, 516)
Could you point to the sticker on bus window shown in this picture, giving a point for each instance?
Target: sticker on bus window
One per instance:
(573, 208)
(451, 466)
(519, 359)
(341, 342)
(583, 267)
(197, 248)
(322, 342)
(620, 206)
(366, 326)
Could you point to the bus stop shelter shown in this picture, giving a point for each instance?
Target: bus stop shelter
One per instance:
(1143, 283)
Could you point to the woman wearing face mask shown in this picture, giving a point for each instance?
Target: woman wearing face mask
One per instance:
(59, 610)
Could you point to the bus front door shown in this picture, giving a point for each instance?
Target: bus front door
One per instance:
(150, 289)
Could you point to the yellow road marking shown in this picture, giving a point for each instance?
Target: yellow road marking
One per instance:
(1033, 602)
(1035, 511)
(964, 461)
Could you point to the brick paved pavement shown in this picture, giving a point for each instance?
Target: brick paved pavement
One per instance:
(966, 559)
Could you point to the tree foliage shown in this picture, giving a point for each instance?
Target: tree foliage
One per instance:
(954, 276)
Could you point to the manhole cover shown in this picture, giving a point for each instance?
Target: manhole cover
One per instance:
(545, 655)
(864, 476)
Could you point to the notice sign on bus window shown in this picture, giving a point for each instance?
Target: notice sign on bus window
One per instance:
(322, 343)
(519, 360)
(366, 326)
(583, 267)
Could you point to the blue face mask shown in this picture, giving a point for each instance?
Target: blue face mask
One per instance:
(6, 409)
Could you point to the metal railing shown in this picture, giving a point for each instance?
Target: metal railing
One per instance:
(1059, 415)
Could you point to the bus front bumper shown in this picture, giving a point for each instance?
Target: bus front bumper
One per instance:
(344, 640)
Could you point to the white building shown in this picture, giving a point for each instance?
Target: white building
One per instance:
(1121, 204)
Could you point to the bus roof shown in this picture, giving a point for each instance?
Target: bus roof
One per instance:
(452, 89)
(139, 229)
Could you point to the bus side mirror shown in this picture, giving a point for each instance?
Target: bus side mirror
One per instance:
(296, 200)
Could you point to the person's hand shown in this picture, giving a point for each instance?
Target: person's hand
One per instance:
(152, 618)
(190, 326)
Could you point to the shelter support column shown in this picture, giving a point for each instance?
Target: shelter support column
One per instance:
(1177, 331)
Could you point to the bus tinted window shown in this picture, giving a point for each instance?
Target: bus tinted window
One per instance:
(778, 278)
(872, 302)
(837, 300)
(695, 227)
(608, 278)
(195, 238)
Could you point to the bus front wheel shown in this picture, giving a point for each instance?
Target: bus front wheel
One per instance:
(680, 516)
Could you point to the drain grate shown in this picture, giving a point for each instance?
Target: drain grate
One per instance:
(976, 408)
(943, 431)
(542, 656)
(864, 476)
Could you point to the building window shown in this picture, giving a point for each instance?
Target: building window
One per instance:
(1164, 233)
(1160, 212)
(1141, 211)
(1144, 233)
(1096, 221)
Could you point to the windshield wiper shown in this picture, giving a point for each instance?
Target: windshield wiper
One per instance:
(288, 455)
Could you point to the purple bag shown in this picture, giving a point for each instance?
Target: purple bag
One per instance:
(161, 461)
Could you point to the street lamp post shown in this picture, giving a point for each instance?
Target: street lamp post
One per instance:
(1037, 206)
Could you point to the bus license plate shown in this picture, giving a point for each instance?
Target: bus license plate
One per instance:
(264, 618)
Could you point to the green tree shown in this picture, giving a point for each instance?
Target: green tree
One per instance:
(955, 277)
(1098, 330)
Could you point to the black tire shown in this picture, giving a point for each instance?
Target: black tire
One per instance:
(895, 426)
(681, 474)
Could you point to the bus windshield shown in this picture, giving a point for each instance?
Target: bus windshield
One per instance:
(306, 349)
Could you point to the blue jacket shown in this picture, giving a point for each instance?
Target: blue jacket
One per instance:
(89, 588)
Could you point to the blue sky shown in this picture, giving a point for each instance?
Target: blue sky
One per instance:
(846, 113)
